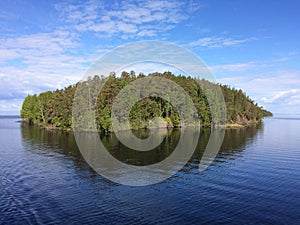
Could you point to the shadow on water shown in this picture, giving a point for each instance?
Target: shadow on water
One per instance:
(60, 142)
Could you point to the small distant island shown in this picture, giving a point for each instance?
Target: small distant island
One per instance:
(53, 109)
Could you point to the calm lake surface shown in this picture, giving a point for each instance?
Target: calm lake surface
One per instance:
(255, 179)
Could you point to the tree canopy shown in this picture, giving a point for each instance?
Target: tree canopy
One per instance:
(54, 108)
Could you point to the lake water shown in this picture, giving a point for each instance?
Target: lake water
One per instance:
(255, 179)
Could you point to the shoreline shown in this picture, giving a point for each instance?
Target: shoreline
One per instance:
(71, 129)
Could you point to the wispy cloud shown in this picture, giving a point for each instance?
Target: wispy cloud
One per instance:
(282, 95)
(282, 59)
(126, 18)
(219, 42)
(275, 90)
(249, 66)
(10, 107)
(39, 45)
(39, 62)
(233, 67)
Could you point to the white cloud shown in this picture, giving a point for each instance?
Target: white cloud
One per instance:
(8, 54)
(36, 45)
(293, 53)
(149, 67)
(218, 42)
(126, 18)
(282, 59)
(10, 107)
(282, 95)
(278, 91)
(233, 67)
(247, 67)
(39, 62)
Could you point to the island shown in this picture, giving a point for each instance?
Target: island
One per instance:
(53, 109)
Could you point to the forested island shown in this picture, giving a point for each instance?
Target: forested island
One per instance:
(53, 109)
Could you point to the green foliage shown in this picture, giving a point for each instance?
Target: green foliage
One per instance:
(30, 110)
(54, 109)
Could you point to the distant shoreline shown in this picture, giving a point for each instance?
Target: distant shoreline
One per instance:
(10, 116)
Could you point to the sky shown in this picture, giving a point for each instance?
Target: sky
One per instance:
(250, 45)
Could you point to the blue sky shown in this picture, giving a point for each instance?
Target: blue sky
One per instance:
(252, 45)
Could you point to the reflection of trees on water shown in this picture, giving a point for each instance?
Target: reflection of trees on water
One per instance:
(58, 141)
(47, 142)
(234, 141)
(133, 157)
(238, 138)
(64, 143)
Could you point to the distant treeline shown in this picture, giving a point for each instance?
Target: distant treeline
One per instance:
(53, 109)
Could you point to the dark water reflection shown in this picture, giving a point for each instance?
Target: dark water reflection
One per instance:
(65, 143)
(253, 180)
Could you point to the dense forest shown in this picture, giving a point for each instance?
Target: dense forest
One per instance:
(53, 109)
